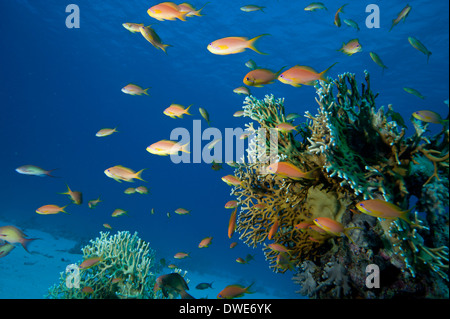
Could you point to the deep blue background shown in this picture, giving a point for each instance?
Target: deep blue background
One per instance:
(59, 86)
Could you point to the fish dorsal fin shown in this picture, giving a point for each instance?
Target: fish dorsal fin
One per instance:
(242, 39)
(171, 5)
(306, 68)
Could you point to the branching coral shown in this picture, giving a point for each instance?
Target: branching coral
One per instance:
(124, 270)
(358, 154)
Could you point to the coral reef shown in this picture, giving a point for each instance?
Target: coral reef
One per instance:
(358, 152)
(122, 269)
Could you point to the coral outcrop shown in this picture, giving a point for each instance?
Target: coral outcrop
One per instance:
(358, 152)
(121, 267)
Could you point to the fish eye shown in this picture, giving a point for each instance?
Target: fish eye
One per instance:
(362, 205)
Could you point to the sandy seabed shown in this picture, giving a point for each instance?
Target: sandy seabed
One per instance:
(29, 275)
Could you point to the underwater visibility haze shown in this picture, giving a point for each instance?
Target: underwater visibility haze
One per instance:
(349, 100)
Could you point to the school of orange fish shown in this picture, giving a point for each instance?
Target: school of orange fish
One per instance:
(257, 77)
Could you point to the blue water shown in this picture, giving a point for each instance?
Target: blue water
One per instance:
(59, 86)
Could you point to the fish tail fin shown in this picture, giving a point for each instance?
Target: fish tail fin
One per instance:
(145, 91)
(312, 174)
(184, 148)
(197, 13)
(182, 16)
(63, 211)
(428, 56)
(138, 175)
(249, 286)
(393, 24)
(341, 9)
(187, 110)
(251, 43)
(348, 236)
(26, 241)
(324, 72)
(49, 171)
(404, 216)
(164, 47)
(68, 191)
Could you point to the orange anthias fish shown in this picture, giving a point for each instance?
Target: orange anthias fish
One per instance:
(170, 283)
(93, 203)
(167, 147)
(278, 248)
(333, 227)
(337, 18)
(90, 262)
(273, 230)
(233, 45)
(429, 117)
(261, 77)
(382, 209)
(242, 90)
(401, 16)
(234, 291)
(51, 210)
(285, 127)
(232, 180)
(284, 262)
(75, 196)
(286, 169)
(106, 132)
(141, 190)
(120, 173)
(119, 212)
(232, 223)
(351, 47)
(177, 110)
(181, 211)
(302, 225)
(14, 235)
(151, 36)
(231, 204)
(134, 89)
(205, 242)
(238, 114)
(167, 11)
(181, 255)
(302, 75)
